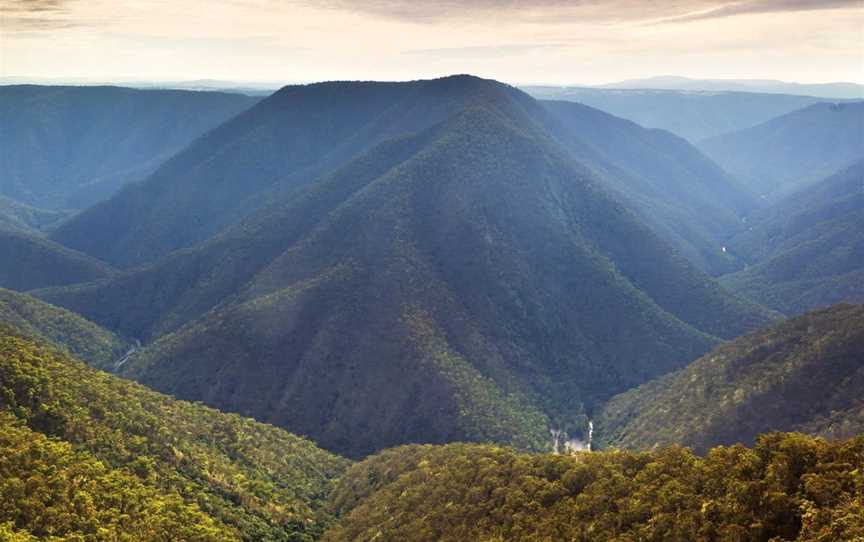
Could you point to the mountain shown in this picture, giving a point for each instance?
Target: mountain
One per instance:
(694, 115)
(20, 217)
(31, 261)
(792, 151)
(84, 452)
(469, 282)
(807, 250)
(686, 198)
(286, 141)
(61, 328)
(69, 147)
(852, 91)
(303, 133)
(788, 487)
(805, 374)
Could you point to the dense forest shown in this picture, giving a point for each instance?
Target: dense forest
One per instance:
(787, 487)
(804, 374)
(89, 456)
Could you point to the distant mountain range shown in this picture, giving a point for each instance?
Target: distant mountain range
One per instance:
(475, 260)
(823, 90)
(69, 147)
(694, 115)
(794, 150)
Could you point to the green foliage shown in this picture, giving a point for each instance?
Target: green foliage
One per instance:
(805, 374)
(59, 327)
(30, 261)
(252, 479)
(49, 491)
(788, 487)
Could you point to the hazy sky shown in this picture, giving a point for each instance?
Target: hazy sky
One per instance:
(529, 41)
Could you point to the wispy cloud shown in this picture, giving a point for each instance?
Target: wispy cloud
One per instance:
(482, 51)
(760, 6)
(27, 15)
(587, 11)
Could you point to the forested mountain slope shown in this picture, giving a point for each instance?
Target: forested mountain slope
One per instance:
(805, 374)
(790, 152)
(31, 261)
(808, 249)
(69, 147)
(87, 455)
(20, 217)
(470, 282)
(61, 328)
(685, 197)
(693, 115)
(788, 487)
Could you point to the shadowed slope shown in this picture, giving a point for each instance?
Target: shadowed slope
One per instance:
(805, 374)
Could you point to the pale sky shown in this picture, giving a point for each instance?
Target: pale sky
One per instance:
(520, 42)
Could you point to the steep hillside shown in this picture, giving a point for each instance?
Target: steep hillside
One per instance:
(468, 282)
(141, 465)
(286, 141)
(788, 487)
(808, 249)
(30, 261)
(69, 147)
(805, 374)
(20, 217)
(792, 151)
(61, 328)
(686, 199)
(50, 491)
(689, 114)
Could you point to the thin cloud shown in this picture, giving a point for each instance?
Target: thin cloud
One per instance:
(30, 15)
(761, 6)
(482, 51)
(586, 11)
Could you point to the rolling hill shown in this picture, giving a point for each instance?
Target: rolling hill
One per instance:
(31, 261)
(89, 456)
(792, 151)
(67, 147)
(694, 115)
(805, 374)
(808, 249)
(471, 281)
